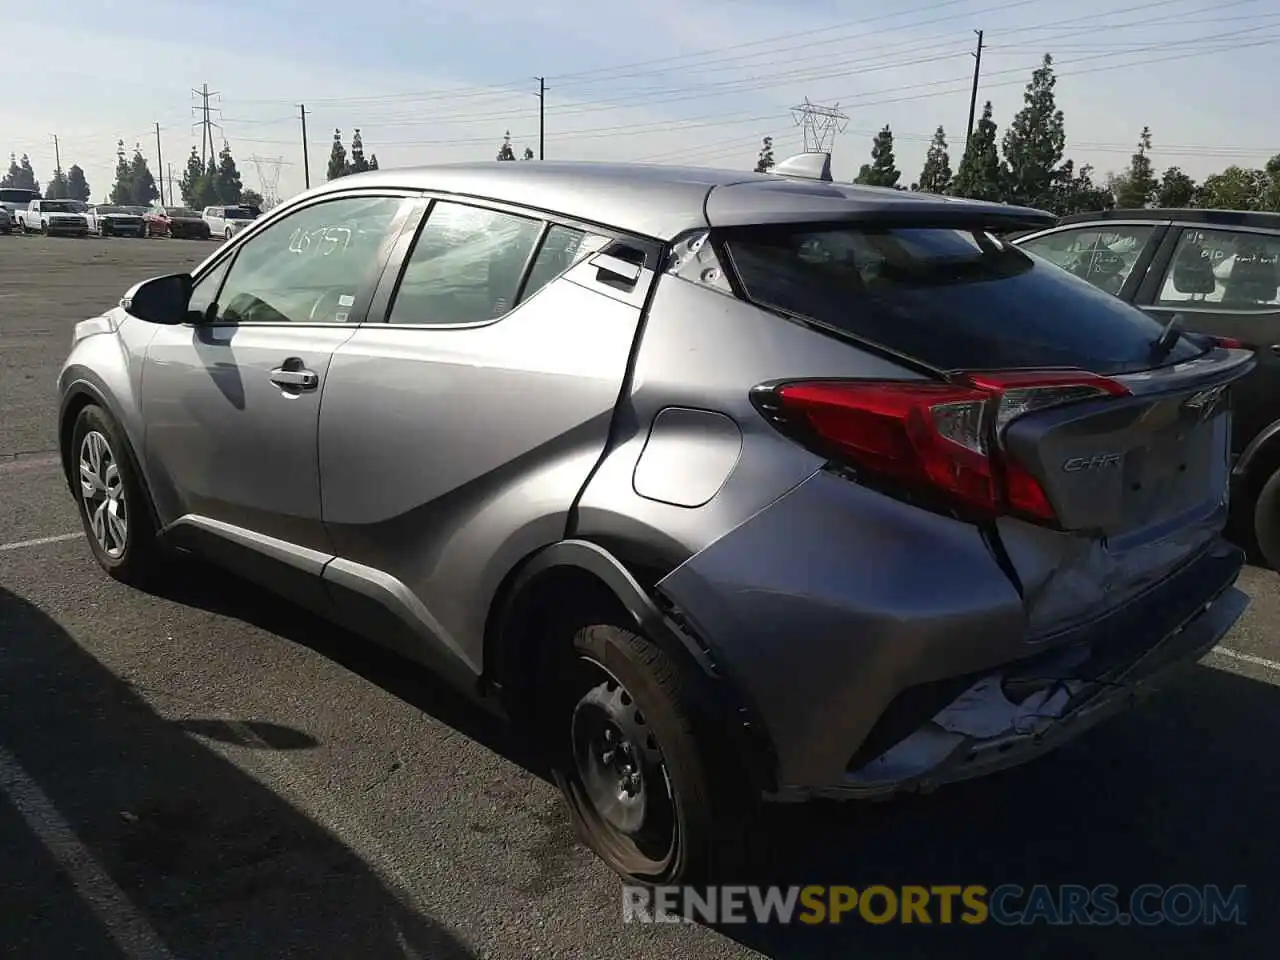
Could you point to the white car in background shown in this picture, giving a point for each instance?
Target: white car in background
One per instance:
(227, 221)
(114, 220)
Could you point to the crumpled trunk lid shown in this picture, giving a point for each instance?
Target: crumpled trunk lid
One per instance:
(1139, 484)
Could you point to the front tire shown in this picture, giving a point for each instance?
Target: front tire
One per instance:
(638, 763)
(228, 233)
(1266, 521)
(113, 503)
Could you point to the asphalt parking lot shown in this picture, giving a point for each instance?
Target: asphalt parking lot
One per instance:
(213, 773)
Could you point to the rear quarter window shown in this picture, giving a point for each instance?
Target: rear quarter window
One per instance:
(952, 299)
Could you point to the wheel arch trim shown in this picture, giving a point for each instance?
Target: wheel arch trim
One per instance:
(593, 559)
(1265, 437)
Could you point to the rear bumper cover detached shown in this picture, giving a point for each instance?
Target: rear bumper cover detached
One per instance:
(878, 648)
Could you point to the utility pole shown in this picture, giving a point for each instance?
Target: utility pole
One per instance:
(542, 117)
(171, 193)
(306, 164)
(973, 96)
(159, 163)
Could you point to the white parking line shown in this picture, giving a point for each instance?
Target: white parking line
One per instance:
(39, 541)
(130, 930)
(1246, 658)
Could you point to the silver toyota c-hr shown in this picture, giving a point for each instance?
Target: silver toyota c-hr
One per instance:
(734, 487)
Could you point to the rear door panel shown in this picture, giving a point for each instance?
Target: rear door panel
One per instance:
(448, 453)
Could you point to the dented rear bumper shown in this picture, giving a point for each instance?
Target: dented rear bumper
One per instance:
(876, 648)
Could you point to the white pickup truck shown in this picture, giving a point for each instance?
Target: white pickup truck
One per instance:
(53, 217)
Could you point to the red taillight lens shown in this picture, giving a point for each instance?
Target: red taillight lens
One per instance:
(935, 437)
(1227, 343)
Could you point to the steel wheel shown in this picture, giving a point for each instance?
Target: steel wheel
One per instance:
(619, 775)
(103, 495)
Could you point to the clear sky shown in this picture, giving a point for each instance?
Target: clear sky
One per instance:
(697, 81)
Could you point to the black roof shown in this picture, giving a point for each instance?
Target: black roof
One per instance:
(1220, 218)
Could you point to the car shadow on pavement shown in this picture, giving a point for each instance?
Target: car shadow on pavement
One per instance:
(1186, 790)
(207, 587)
(214, 862)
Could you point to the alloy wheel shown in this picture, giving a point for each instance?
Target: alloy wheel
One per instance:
(102, 491)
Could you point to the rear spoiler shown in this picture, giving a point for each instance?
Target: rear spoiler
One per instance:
(916, 209)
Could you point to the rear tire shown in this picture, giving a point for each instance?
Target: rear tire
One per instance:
(228, 233)
(640, 766)
(1266, 521)
(114, 507)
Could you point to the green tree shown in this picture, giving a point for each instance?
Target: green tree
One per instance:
(1235, 188)
(338, 166)
(1077, 193)
(1176, 189)
(252, 198)
(144, 184)
(1137, 187)
(77, 185)
(122, 189)
(528, 154)
(193, 184)
(373, 161)
(1271, 194)
(226, 177)
(936, 175)
(1034, 141)
(56, 189)
(358, 162)
(982, 174)
(505, 152)
(882, 171)
(764, 162)
(20, 174)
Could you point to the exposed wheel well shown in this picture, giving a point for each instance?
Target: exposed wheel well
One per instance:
(530, 613)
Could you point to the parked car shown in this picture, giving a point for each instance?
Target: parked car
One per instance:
(14, 199)
(1216, 271)
(6, 221)
(175, 222)
(726, 486)
(52, 217)
(226, 222)
(114, 220)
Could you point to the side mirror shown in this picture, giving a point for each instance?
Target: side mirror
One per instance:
(160, 299)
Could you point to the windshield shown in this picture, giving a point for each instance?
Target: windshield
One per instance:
(108, 208)
(58, 206)
(241, 213)
(181, 212)
(953, 299)
(17, 196)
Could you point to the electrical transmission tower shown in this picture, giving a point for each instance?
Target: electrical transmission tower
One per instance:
(820, 125)
(268, 177)
(205, 123)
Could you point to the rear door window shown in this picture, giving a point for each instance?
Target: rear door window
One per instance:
(952, 299)
(561, 249)
(1223, 269)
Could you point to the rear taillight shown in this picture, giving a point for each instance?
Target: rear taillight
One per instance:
(1227, 343)
(936, 439)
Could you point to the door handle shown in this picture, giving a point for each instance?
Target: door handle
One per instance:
(299, 379)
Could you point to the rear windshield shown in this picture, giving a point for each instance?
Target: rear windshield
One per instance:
(58, 206)
(953, 299)
(181, 212)
(240, 213)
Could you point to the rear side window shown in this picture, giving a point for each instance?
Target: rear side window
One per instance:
(465, 266)
(953, 299)
(561, 249)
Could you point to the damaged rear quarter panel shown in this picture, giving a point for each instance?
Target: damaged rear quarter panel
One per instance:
(833, 599)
